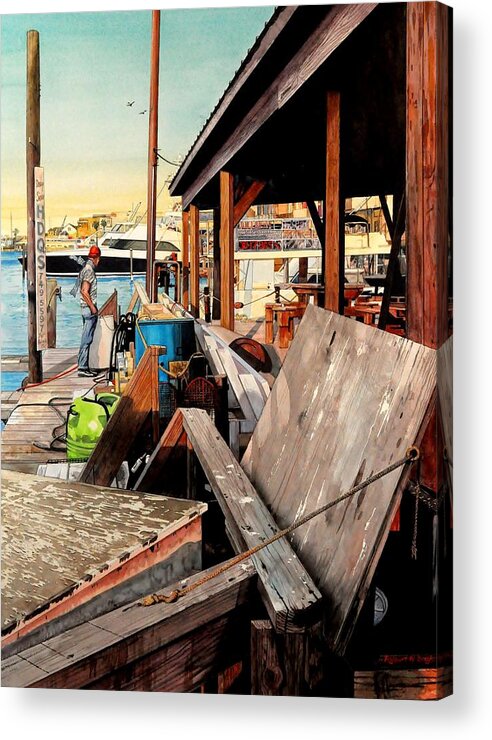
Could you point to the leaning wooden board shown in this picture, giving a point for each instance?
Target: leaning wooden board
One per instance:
(348, 401)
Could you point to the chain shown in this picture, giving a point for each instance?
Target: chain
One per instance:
(432, 502)
(411, 456)
(415, 522)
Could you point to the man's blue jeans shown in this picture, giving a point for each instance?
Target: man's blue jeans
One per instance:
(89, 321)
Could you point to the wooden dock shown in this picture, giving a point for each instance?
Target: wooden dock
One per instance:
(28, 425)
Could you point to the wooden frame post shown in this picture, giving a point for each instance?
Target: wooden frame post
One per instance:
(216, 268)
(427, 173)
(227, 250)
(427, 185)
(33, 158)
(185, 260)
(334, 250)
(194, 261)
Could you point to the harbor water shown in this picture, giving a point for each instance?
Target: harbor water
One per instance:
(13, 321)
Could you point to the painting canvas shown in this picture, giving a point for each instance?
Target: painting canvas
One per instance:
(227, 311)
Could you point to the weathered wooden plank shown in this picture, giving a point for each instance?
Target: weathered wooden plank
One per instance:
(215, 332)
(142, 294)
(253, 393)
(235, 384)
(348, 401)
(137, 401)
(422, 684)
(128, 634)
(290, 594)
(227, 250)
(339, 23)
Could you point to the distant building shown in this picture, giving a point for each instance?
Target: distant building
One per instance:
(88, 225)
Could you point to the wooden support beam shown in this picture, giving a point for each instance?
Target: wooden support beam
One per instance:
(334, 251)
(247, 200)
(396, 230)
(286, 664)
(136, 648)
(194, 261)
(140, 397)
(427, 183)
(320, 232)
(185, 259)
(290, 595)
(227, 250)
(216, 268)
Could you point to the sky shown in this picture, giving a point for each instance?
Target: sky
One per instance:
(94, 146)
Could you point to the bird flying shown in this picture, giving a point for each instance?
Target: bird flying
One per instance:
(130, 104)
(142, 112)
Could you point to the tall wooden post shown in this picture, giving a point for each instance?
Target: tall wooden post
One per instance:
(33, 158)
(152, 155)
(185, 259)
(195, 261)
(216, 272)
(227, 250)
(334, 251)
(427, 185)
(427, 173)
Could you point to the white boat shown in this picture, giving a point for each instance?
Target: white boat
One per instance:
(123, 249)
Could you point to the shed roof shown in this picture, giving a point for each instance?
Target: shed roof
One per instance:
(56, 534)
(270, 124)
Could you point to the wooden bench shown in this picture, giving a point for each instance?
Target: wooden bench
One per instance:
(285, 313)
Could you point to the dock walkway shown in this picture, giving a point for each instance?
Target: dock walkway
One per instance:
(27, 425)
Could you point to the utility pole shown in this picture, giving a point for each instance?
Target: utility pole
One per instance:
(33, 157)
(152, 154)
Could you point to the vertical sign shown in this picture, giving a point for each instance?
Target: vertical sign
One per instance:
(40, 246)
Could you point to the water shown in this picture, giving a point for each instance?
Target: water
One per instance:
(13, 315)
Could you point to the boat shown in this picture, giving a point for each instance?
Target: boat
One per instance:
(268, 253)
(123, 249)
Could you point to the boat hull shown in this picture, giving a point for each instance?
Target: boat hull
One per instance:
(70, 264)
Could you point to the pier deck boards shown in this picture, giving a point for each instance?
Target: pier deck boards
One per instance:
(26, 425)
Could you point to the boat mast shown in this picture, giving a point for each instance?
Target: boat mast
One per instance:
(152, 154)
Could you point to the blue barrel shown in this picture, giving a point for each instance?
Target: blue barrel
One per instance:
(177, 335)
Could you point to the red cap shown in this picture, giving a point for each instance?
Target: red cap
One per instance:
(94, 251)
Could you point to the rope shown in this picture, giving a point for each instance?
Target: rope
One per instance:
(48, 380)
(174, 376)
(411, 456)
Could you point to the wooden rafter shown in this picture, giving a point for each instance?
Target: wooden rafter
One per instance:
(247, 200)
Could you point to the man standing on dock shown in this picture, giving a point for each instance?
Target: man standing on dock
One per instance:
(88, 297)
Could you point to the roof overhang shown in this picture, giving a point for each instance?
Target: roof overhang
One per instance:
(271, 122)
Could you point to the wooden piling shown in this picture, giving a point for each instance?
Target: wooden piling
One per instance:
(152, 155)
(33, 158)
